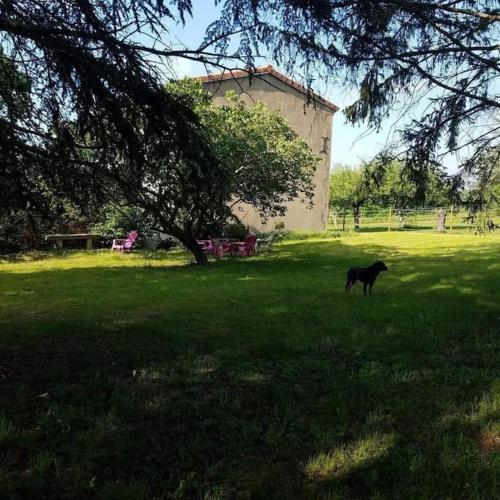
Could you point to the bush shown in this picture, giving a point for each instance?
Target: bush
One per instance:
(117, 222)
(12, 234)
(235, 229)
(168, 243)
(9, 247)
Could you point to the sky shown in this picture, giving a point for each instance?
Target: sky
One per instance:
(350, 144)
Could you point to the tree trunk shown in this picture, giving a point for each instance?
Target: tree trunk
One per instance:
(191, 244)
(401, 218)
(356, 218)
(441, 221)
(36, 233)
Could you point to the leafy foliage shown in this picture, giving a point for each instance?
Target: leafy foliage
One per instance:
(101, 126)
(117, 221)
(350, 189)
(265, 163)
(262, 162)
(484, 190)
(399, 190)
(389, 186)
(84, 114)
(395, 53)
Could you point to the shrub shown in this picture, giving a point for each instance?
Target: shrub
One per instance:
(117, 222)
(168, 243)
(234, 228)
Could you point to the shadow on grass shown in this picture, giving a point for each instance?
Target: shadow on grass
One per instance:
(255, 378)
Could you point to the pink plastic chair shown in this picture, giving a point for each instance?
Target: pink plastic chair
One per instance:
(221, 248)
(246, 247)
(217, 248)
(206, 245)
(125, 245)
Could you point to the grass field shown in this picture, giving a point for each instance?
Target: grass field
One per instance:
(138, 376)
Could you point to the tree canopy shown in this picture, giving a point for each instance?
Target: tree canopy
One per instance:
(95, 102)
(265, 163)
(393, 52)
(260, 161)
(351, 188)
(484, 184)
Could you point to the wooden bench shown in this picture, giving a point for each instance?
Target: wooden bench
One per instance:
(59, 238)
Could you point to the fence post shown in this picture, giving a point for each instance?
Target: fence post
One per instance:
(451, 219)
(389, 219)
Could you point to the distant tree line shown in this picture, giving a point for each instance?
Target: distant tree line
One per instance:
(369, 186)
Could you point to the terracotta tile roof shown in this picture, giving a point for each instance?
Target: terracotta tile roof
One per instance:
(268, 70)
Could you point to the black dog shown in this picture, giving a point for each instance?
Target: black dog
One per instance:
(367, 276)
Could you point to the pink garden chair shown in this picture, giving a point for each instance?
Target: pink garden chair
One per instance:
(205, 245)
(125, 245)
(247, 247)
(221, 248)
(217, 248)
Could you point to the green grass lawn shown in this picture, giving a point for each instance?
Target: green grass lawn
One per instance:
(138, 376)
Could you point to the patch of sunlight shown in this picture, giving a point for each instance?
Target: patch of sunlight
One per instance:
(467, 290)
(90, 259)
(489, 405)
(347, 458)
(255, 378)
(441, 286)
(410, 277)
(248, 278)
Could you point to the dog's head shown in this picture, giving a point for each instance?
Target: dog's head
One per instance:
(380, 266)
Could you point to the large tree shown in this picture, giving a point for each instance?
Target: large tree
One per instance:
(396, 53)
(98, 111)
(483, 190)
(101, 125)
(349, 190)
(398, 190)
(259, 160)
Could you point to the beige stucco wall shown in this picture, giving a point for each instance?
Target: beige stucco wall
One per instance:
(311, 122)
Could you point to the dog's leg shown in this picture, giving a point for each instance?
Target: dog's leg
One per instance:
(348, 283)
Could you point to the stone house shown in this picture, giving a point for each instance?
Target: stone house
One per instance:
(309, 115)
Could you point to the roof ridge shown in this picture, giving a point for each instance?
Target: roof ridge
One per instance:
(268, 69)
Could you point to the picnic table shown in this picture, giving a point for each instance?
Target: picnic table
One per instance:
(59, 238)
